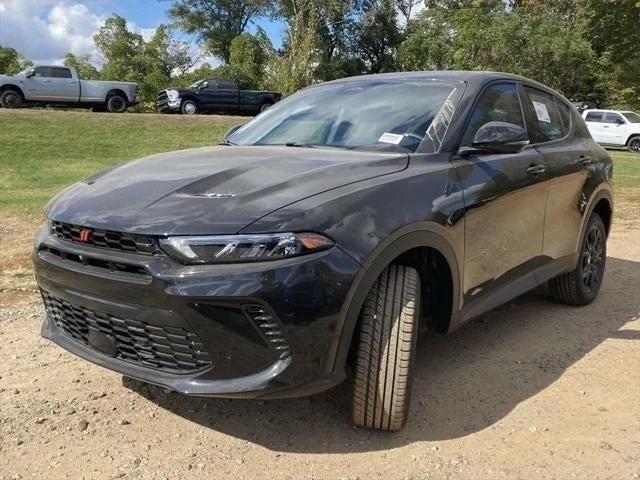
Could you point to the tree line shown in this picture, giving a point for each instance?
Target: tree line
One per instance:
(586, 49)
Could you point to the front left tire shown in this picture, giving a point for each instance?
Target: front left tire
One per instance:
(634, 144)
(189, 107)
(386, 349)
(11, 99)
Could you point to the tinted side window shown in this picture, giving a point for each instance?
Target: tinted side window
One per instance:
(227, 85)
(43, 72)
(565, 115)
(498, 103)
(613, 118)
(594, 117)
(544, 115)
(59, 72)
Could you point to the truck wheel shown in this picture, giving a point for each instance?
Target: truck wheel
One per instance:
(385, 350)
(634, 144)
(116, 104)
(265, 106)
(581, 286)
(189, 107)
(11, 99)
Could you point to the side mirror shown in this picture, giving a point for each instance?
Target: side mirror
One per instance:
(30, 73)
(497, 137)
(231, 131)
(619, 121)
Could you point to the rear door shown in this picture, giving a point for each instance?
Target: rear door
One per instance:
(40, 86)
(615, 127)
(228, 98)
(505, 198)
(65, 87)
(551, 126)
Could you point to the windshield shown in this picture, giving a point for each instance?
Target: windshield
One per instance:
(381, 114)
(632, 117)
(197, 84)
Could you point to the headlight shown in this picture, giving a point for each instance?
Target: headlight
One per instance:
(244, 248)
(172, 94)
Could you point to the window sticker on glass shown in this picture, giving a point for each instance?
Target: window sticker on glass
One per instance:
(392, 138)
(541, 112)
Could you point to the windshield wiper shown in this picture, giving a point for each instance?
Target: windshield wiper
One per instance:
(227, 143)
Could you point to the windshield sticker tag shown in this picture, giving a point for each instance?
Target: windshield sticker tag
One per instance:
(541, 112)
(392, 138)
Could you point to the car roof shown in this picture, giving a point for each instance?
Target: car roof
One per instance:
(465, 76)
(598, 110)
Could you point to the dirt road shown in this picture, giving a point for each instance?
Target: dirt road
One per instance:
(533, 390)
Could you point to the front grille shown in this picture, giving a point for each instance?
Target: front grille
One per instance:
(167, 348)
(124, 242)
(85, 261)
(163, 98)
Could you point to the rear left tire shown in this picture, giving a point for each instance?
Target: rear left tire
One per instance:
(581, 286)
(386, 349)
(116, 104)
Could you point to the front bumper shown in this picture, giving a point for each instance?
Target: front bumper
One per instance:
(166, 105)
(130, 310)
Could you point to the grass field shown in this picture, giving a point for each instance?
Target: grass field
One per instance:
(43, 151)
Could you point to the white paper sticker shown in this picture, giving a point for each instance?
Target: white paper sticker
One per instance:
(392, 138)
(541, 112)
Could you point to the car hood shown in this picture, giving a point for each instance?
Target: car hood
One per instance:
(212, 190)
(181, 90)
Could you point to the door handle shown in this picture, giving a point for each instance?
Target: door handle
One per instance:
(73, 82)
(585, 161)
(46, 81)
(535, 170)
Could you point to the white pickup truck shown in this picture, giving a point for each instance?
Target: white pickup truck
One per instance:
(53, 84)
(614, 128)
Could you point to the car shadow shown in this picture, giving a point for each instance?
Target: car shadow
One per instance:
(464, 382)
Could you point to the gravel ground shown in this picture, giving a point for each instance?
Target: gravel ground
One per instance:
(532, 390)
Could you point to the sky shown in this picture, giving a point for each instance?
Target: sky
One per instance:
(45, 30)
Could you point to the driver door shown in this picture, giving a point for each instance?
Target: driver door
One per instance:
(40, 86)
(505, 198)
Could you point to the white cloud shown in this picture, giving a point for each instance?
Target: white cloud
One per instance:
(44, 30)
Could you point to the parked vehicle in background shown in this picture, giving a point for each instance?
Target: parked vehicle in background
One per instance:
(582, 106)
(53, 84)
(614, 128)
(325, 234)
(213, 95)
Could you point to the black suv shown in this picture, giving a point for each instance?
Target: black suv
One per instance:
(325, 234)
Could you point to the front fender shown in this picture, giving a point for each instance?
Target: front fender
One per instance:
(422, 234)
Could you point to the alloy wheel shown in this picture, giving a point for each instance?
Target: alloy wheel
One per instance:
(634, 145)
(592, 259)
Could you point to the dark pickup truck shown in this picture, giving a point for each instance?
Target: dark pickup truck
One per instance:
(211, 95)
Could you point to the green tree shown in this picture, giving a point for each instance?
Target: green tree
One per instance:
(11, 61)
(121, 49)
(378, 35)
(83, 66)
(217, 22)
(510, 40)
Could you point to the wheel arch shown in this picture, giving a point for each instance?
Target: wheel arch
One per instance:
(402, 242)
(117, 91)
(633, 135)
(11, 86)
